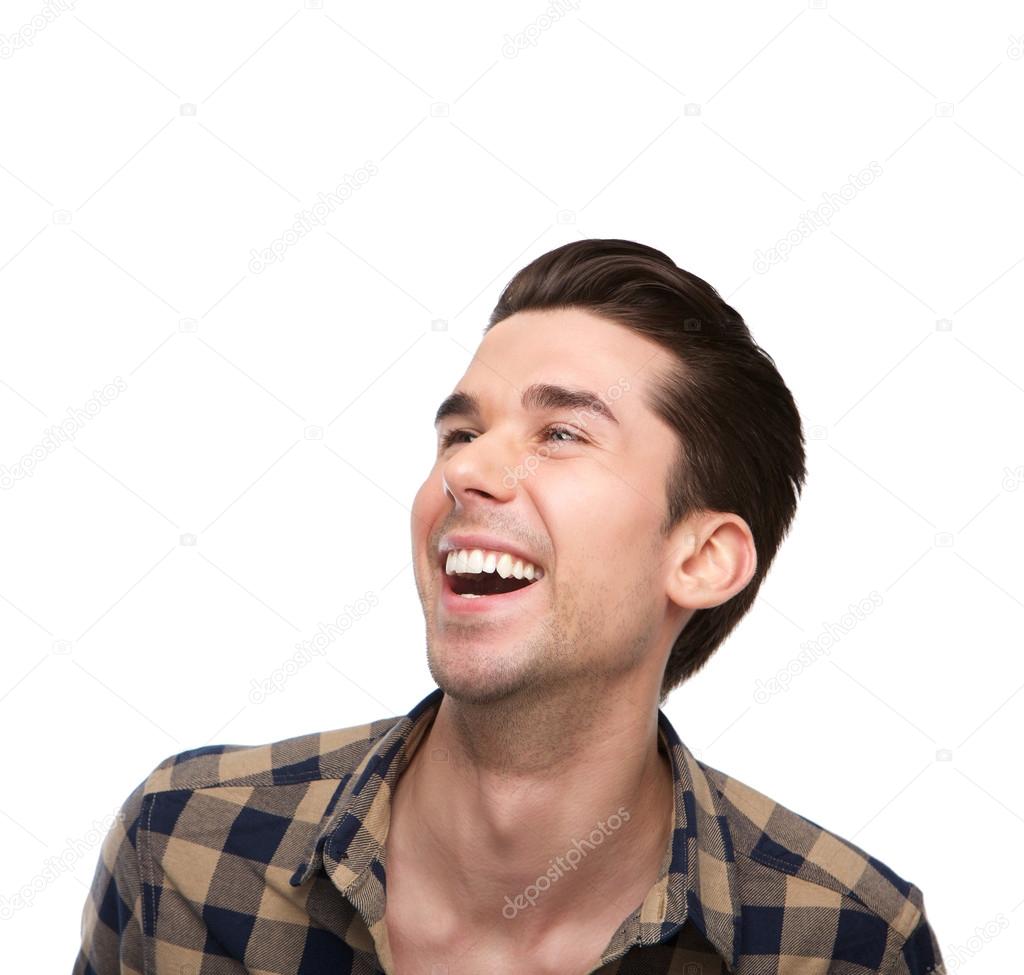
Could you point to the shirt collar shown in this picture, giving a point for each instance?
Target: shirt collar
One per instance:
(698, 880)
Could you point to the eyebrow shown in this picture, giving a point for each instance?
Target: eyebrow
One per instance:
(539, 396)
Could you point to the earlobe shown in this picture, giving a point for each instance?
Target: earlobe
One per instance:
(713, 560)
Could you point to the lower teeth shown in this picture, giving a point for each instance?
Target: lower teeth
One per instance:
(470, 595)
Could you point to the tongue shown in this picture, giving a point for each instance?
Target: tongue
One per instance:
(486, 583)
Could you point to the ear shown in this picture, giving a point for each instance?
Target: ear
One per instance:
(712, 557)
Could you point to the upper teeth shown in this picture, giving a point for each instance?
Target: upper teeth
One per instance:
(480, 560)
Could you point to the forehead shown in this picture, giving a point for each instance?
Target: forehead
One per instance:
(569, 346)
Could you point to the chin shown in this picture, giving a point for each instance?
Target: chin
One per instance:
(469, 680)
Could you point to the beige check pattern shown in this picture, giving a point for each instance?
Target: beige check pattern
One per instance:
(269, 860)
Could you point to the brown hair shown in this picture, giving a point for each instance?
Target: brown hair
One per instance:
(741, 445)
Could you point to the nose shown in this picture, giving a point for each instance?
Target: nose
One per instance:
(481, 468)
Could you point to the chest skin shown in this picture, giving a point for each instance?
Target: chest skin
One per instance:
(420, 944)
(415, 950)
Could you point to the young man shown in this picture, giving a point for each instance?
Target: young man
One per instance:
(615, 472)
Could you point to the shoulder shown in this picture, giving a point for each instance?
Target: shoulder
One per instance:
(786, 863)
(194, 826)
(315, 756)
(296, 777)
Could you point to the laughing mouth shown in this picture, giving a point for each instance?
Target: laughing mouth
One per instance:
(474, 573)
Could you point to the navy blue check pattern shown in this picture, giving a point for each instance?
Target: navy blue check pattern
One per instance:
(270, 860)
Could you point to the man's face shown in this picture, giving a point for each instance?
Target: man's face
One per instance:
(581, 494)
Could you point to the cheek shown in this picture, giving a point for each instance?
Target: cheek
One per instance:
(427, 505)
(599, 489)
(597, 510)
(590, 518)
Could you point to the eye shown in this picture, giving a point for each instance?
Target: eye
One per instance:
(451, 437)
(573, 435)
(555, 429)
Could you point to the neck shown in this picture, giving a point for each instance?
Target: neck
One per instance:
(564, 786)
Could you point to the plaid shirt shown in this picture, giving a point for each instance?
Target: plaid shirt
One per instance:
(269, 859)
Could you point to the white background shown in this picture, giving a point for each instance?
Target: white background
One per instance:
(283, 419)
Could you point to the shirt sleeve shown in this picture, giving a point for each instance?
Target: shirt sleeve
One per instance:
(111, 924)
(920, 953)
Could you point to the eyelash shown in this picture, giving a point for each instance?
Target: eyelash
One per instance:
(449, 438)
